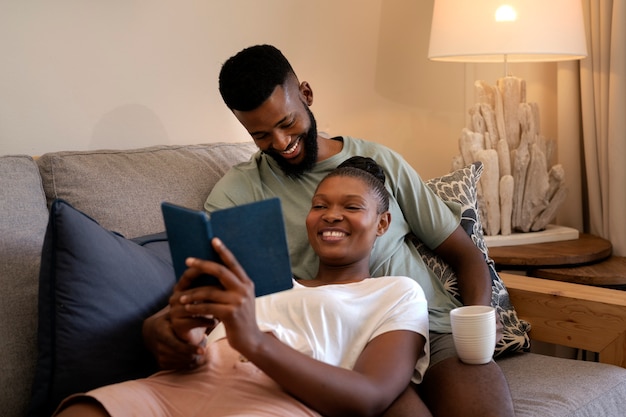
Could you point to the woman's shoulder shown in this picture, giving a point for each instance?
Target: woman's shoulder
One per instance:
(404, 280)
(399, 284)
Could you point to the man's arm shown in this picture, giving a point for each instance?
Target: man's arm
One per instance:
(471, 270)
(470, 267)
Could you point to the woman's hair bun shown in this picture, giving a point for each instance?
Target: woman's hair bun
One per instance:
(367, 164)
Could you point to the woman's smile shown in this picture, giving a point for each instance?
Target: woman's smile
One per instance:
(333, 235)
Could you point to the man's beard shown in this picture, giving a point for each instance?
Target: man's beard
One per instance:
(309, 144)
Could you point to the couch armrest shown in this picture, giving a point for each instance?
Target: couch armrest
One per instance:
(573, 315)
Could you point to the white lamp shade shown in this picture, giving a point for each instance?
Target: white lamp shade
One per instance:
(540, 31)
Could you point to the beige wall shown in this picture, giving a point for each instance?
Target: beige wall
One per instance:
(87, 74)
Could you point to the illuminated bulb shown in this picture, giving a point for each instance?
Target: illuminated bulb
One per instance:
(506, 13)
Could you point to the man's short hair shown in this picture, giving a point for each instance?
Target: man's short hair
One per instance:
(248, 78)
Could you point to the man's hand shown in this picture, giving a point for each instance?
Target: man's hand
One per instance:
(169, 351)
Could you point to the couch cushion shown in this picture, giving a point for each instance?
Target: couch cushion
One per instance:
(95, 290)
(123, 189)
(460, 187)
(22, 225)
(556, 387)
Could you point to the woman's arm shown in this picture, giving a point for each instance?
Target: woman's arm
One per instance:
(382, 371)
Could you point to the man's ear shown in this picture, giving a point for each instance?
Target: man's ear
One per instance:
(383, 223)
(306, 92)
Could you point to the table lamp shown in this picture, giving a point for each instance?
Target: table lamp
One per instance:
(507, 31)
(519, 190)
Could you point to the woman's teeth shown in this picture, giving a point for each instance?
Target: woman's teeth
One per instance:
(333, 234)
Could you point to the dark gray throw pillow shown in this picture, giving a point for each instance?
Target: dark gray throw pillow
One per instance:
(95, 290)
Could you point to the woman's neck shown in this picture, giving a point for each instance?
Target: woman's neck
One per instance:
(328, 274)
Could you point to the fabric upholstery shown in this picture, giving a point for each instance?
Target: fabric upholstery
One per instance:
(23, 218)
(557, 387)
(113, 187)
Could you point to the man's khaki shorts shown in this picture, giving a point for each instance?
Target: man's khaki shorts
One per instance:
(441, 347)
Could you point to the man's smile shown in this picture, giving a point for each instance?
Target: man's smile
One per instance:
(291, 149)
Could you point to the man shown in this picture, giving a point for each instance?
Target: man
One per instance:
(260, 87)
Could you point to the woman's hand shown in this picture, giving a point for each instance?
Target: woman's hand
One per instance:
(233, 303)
(186, 326)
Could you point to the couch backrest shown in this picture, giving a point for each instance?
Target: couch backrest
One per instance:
(123, 189)
(23, 222)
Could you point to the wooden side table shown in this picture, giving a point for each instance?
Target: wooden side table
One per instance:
(586, 260)
(609, 273)
(566, 253)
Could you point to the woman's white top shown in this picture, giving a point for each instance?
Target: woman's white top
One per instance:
(333, 323)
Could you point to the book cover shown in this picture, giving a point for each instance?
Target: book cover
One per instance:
(254, 233)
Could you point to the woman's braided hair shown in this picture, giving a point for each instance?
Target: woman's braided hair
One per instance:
(370, 172)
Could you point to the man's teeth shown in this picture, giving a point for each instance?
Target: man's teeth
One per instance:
(292, 148)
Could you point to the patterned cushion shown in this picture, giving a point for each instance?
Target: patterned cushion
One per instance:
(460, 187)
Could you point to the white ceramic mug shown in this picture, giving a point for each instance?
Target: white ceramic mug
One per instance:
(474, 333)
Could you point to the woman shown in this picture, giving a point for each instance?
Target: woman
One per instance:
(340, 344)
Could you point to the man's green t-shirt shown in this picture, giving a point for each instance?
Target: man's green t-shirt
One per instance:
(414, 209)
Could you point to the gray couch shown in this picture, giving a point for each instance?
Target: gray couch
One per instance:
(122, 191)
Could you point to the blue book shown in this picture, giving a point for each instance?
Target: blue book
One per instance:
(254, 233)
